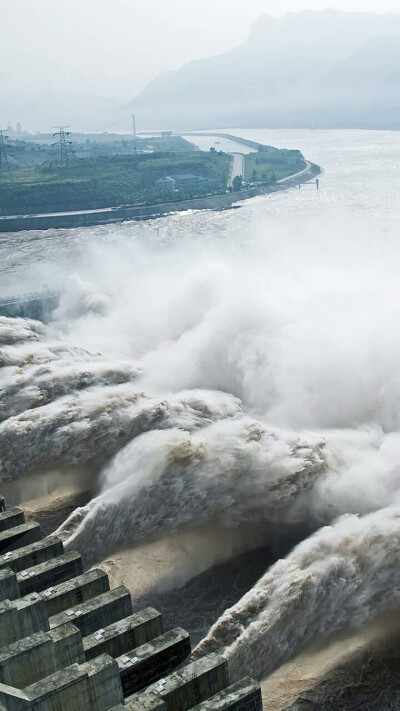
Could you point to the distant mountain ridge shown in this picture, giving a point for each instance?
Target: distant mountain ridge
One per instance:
(311, 69)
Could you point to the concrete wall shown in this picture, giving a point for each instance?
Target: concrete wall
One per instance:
(9, 589)
(79, 687)
(243, 696)
(194, 683)
(37, 307)
(97, 613)
(38, 656)
(32, 554)
(11, 517)
(50, 573)
(105, 684)
(19, 536)
(65, 689)
(13, 699)
(153, 660)
(126, 634)
(22, 618)
(74, 645)
(75, 592)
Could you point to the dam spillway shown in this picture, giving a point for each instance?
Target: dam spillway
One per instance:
(38, 305)
(68, 641)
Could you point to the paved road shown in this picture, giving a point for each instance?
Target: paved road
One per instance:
(296, 175)
(58, 214)
(237, 167)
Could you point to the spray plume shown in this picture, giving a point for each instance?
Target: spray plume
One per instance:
(234, 385)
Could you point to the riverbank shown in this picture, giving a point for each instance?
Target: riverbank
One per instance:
(224, 201)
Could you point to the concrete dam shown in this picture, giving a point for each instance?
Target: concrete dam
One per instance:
(69, 642)
(36, 305)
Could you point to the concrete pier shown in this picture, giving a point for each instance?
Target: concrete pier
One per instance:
(74, 592)
(21, 618)
(97, 613)
(35, 657)
(243, 696)
(194, 683)
(69, 643)
(10, 518)
(125, 635)
(19, 536)
(81, 687)
(51, 572)
(9, 588)
(153, 660)
(29, 555)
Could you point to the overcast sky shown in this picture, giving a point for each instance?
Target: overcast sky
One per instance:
(112, 48)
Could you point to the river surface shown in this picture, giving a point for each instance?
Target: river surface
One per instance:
(215, 387)
(361, 177)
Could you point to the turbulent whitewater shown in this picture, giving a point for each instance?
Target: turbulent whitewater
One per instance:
(241, 376)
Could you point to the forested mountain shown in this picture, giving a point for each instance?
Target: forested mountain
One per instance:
(309, 69)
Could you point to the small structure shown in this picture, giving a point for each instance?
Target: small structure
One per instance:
(165, 185)
(185, 181)
(188, 181)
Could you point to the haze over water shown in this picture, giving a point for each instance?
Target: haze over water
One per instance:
(361, 178)
(248, 382)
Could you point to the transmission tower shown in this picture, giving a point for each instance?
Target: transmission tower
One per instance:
(63, 145)
(4, 164)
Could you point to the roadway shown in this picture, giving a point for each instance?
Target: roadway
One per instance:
(297, 175)
(58, 214)
(237, 167)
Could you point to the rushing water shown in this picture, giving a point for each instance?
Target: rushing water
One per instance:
(361, 178)
(234, 374)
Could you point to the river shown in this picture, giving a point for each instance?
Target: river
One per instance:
(361, 175)
(222, 383)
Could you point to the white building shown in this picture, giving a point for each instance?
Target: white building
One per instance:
(179, 182)
(188, 180)
(166, 184)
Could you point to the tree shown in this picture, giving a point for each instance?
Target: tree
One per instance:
(237, 182)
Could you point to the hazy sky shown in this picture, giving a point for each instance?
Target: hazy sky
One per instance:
(112, 48)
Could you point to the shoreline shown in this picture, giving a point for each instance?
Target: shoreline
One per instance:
(218, 201)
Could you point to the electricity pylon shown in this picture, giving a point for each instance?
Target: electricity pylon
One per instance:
(4, 164)
(64, 145)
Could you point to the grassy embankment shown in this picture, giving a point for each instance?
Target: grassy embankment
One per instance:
(107, 181)
(271, 164)
(114, 172)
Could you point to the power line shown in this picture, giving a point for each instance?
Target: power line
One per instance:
(130, 116)
(4, 164)
(63, 145)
